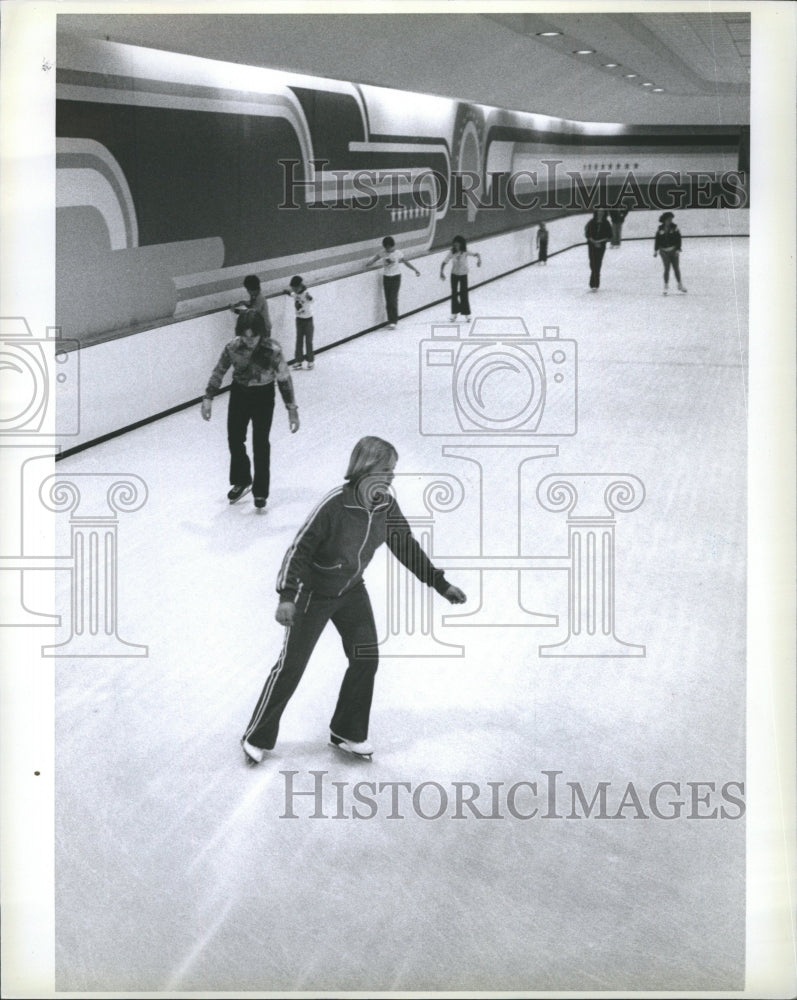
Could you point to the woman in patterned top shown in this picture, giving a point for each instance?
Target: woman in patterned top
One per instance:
(257, 363)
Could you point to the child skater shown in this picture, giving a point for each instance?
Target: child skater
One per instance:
(304, 323)
(458, 255)
(542, 243)
(256, 301)
(389, 259)
(257, 363)
(667, 242)
(321, 580)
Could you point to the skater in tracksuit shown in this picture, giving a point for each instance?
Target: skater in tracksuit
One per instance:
(667, 243)
(321, 580)
(257, 363)
(458, 255)
(598, 232)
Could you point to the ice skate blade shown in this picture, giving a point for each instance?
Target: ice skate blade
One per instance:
(246, 489)
(345, 748)
(253, 755)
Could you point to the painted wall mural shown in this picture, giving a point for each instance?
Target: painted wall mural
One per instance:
(177, 176)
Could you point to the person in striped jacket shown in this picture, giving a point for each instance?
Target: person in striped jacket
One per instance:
(321, 580)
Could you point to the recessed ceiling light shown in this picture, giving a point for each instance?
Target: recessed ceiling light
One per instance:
(658, 90)
(630, 76)
(647, 84)
(548, 34)
(583, 52)
(610, 65)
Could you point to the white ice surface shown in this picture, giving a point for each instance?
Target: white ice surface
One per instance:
(174, 867)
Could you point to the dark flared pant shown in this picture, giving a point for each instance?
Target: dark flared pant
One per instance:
(595, 261)
(460, 303)
(255, 405)
(353, 617)
(390, 286)
(304, 340)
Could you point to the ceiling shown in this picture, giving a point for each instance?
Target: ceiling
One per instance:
(699, 62)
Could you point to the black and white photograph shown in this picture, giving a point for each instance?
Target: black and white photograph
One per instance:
(397, 429)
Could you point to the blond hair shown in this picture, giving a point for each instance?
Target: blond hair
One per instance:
(368, 454)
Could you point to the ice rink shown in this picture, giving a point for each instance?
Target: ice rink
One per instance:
(178, 868)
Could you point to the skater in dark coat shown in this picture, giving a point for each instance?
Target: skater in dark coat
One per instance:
(321, 580)
(257, 363)
(598, 232)
(667, 243)
(542, 243)
(617, 217)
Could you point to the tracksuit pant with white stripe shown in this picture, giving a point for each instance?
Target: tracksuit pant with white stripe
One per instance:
(352, 616)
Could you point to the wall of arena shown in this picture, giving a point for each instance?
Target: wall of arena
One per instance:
(176, 176)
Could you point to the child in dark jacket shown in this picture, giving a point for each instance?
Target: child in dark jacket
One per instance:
(256, 301)
(667, 242)
(321, 580)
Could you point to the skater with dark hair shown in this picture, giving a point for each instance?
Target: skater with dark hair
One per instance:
(667, 242)
(542, 243)
(458, 255)
(321, 580)
(257, 363)
(302, 298)
(598, 233)
(617, 218)
(389, 259)
(256, 301)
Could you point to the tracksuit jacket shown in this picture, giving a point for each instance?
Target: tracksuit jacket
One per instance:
(338, 540)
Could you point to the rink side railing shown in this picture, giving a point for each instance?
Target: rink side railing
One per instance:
(112, 387)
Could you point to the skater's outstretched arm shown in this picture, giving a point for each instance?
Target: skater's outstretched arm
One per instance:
(404, 546)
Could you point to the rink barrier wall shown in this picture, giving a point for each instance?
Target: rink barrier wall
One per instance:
(130, 381)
